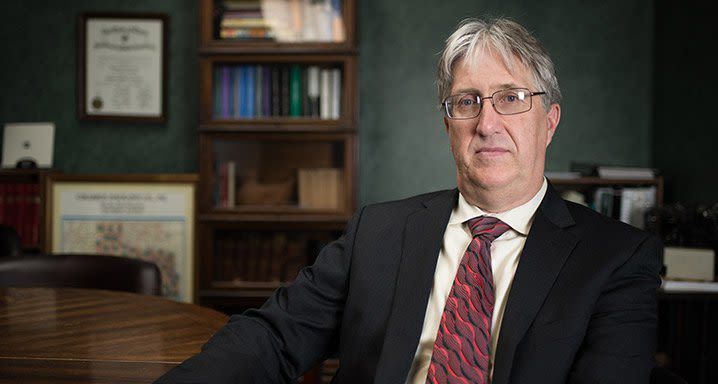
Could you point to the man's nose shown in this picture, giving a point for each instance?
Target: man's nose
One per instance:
(489, 121)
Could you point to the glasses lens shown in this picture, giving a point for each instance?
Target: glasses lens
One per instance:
(512, 101)
(463, 106)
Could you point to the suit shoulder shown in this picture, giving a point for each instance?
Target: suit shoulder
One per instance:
(399, 209)
(412, 202)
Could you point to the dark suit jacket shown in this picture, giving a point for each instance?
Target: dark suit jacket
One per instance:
(582, 306)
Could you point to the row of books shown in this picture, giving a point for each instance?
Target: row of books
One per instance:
(282, 20)
(627, 204)
(263, 257)
(261, 91)
(20, 205)
(243, 20)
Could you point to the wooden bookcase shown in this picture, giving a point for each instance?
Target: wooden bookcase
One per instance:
(256, 224)
(22, 205)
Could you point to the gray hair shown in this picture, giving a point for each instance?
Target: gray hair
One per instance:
(510, 40)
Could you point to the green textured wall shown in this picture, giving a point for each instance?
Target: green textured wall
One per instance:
(686, 131)
(602, 50)
(37, 75)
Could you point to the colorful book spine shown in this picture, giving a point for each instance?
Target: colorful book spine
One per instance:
(276, 102)
(237, 91)
(284, 89)
(251, 88)
(259, 91)
(267, 91)
(217, 95)
(295, 91)
(336, 93)
(225, 92)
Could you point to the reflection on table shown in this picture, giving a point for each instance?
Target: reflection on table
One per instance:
(50, 335)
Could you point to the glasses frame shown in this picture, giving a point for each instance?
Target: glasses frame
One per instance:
(480, 101)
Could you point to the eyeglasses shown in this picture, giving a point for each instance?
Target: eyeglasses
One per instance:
(510, 101)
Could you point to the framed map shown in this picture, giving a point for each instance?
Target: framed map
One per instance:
(148, 217)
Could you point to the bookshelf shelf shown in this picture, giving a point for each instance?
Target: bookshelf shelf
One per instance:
(603, 181)
(277, 125)
(271, 49)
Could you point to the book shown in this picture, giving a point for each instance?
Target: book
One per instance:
(309, 25)
(313, 90)
(276, 103)
(306, 107)
(231, 184)
(603, 201)
(295, 91)
(217, 94)
(325, 94)
(284, 89)
(225, 91)
(231, 94)
(336, 94)
(259, 91)
(237, 91)
(250, 89)
(338, 33)
(222, 176)
(266, 91)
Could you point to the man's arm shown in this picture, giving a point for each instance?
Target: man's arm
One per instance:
(621, 336)
(293, 331)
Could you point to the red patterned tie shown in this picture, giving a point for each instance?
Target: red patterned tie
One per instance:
(461, 349)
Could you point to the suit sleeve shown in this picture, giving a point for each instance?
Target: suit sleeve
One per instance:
(293, 331)
(621, 336)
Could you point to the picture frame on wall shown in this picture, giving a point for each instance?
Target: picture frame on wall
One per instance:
(148, 217)
(122, 67)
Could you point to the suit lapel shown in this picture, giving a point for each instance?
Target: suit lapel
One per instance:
(423, 236)
(546, 249)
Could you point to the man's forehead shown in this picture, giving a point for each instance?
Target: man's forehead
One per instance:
(472, 69)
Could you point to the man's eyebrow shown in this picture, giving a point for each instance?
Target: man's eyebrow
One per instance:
(494, 89)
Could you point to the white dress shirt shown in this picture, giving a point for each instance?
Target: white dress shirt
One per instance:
(505, 251)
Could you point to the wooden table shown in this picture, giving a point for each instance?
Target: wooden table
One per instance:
(51, 335)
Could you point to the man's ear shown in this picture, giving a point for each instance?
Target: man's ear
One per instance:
(446, 124)
(552, 118)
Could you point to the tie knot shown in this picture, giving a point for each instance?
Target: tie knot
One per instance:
(487, 228)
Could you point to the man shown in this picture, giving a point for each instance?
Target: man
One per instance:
(499, 281)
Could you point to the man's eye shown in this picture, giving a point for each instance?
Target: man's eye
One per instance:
(467, 101)
(510, 98)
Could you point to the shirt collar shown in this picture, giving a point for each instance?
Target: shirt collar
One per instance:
(519, 218)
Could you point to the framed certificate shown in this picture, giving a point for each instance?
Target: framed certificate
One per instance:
(148, 217)
(122, 67)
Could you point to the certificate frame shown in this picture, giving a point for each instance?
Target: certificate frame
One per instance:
(122, 67)
(145, 216)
